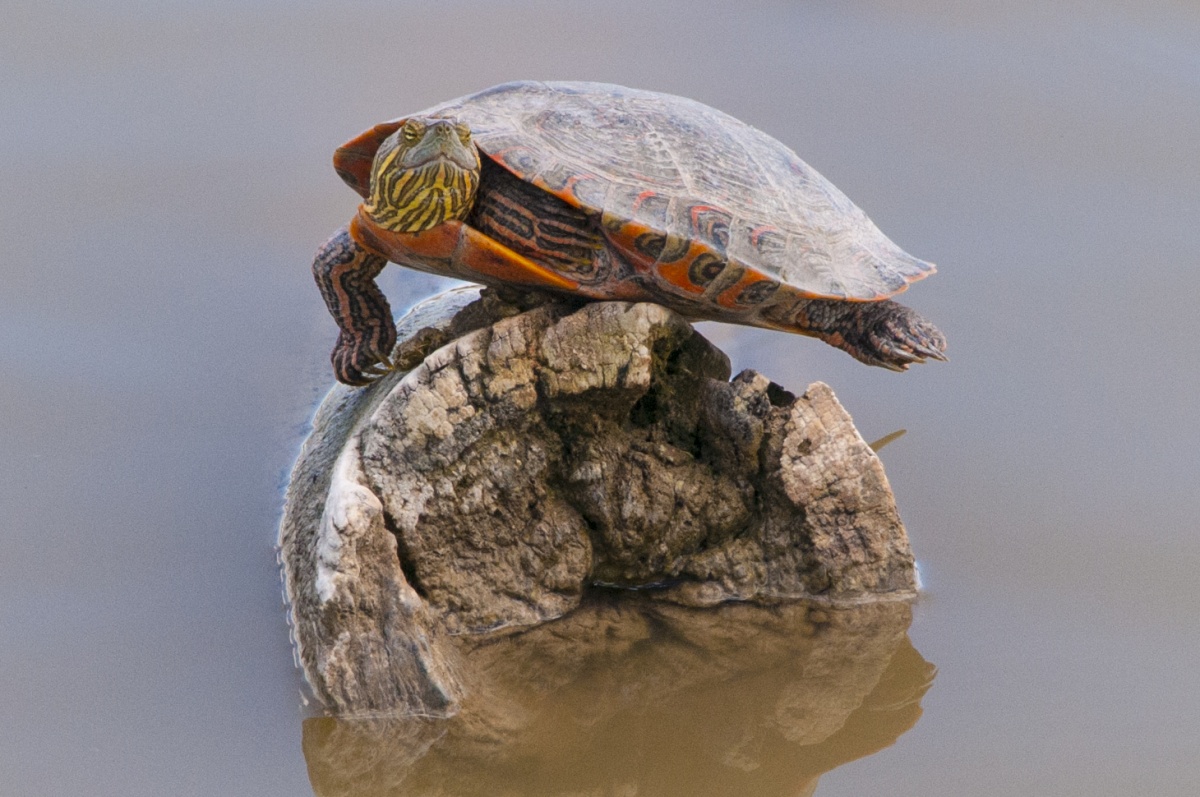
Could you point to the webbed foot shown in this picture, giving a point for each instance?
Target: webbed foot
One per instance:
(883, 333)
(897, 336)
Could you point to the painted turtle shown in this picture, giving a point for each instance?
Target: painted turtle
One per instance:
(607, 192)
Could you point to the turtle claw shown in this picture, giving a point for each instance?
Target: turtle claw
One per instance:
(881, 333)
(932, 344)
(899, 337)
(356, 361)
(345, 272)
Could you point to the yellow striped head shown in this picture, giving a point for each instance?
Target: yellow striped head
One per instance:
(425, 173)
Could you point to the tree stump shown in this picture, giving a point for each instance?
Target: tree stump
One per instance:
(525, 453)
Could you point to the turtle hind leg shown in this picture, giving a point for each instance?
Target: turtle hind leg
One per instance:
(882, 333)
(345, 272)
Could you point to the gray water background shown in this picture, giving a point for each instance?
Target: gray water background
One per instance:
(165, 179)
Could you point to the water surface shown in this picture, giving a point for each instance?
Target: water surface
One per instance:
(165, 180)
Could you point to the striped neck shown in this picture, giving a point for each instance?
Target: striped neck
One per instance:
(417, 185)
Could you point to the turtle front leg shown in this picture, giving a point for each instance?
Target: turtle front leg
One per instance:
(882, 333)
(345, 272)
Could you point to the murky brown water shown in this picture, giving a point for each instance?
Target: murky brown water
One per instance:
(164, 180)
(629, 696)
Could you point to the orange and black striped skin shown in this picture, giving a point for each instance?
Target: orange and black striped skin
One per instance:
(536, 224)
(543, 228)
(345, 273)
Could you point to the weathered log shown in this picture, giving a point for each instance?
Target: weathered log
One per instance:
(519, 457)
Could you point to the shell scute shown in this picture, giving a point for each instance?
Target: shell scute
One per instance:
(711, 224)
(682, 172)
(757, 292)
(704, 269)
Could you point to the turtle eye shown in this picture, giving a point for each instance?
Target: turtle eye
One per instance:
(412, 131)
(464, 133)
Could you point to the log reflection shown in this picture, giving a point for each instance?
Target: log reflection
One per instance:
(633, 696)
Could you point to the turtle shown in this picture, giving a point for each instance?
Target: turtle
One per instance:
(610, 193)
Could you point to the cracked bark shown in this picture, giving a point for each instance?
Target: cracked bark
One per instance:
(535, 450)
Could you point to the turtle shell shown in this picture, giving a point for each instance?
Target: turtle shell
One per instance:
(681, 174)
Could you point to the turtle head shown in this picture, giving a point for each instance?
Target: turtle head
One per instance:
(423, 174)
